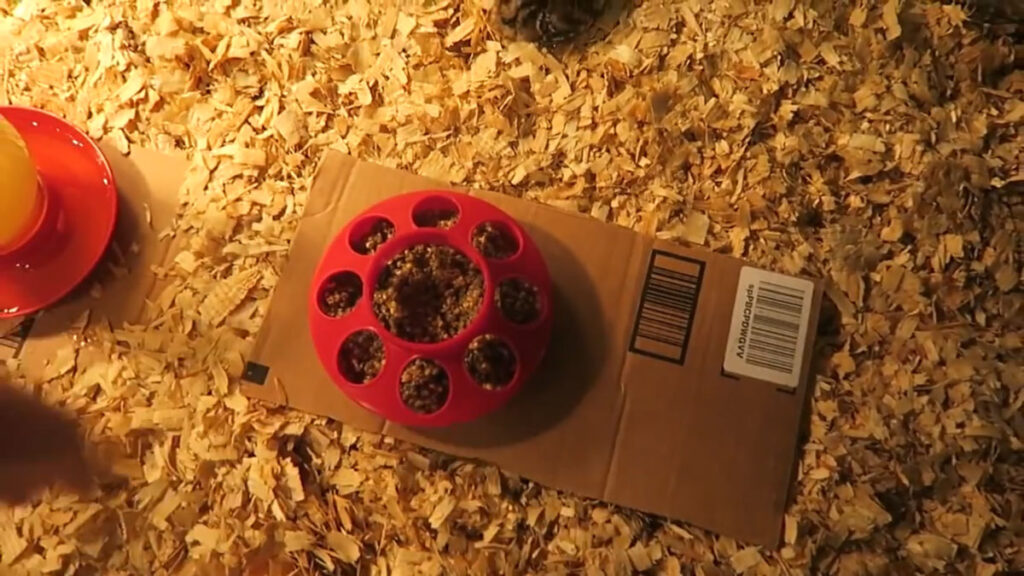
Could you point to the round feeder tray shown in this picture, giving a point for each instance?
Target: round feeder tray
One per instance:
(375, 297)
(79, 210)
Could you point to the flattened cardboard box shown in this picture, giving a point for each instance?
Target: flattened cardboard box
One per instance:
(147, 186)
(675, 382)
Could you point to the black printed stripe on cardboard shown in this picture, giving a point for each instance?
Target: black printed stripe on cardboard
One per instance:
(255, 373)
(668, 304)
(11, 344)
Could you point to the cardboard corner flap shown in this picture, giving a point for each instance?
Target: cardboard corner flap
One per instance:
(147, 185)
(633, 404)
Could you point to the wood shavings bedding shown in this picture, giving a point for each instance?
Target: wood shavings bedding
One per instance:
(875, 144)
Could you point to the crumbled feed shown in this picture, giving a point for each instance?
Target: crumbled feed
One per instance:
(494, 241)
(428, 293)
(361, 357)
(340, 294)
(518, 300)
(443, 218)
(424, 386)
(380, 232)
(491, 362)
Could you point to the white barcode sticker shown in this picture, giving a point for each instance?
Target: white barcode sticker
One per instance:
(769, 327)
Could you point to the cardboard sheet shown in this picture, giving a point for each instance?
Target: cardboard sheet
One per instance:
(626, 407)
(675, 383)
(147, 185)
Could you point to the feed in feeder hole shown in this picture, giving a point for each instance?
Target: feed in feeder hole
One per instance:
(340, 294)
(490, 362)
(428, 293)
(423, 386)
(494, 241)
(436, 218)
(361, 357)
(436, 212)
(518, 300)
(378, 233)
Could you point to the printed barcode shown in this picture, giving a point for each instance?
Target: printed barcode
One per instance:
(769, 327)
(775, 327)
(667, 307)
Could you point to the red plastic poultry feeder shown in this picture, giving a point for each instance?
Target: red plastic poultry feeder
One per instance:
(472, 371)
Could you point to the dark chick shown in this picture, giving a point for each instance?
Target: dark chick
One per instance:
(550, 22)
(39, 446)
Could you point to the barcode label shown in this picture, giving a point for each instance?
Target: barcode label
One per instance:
(769, 327)
(667, 307)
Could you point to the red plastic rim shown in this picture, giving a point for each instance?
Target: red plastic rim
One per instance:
(467, 400)
(37, 221)
(78, 219)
